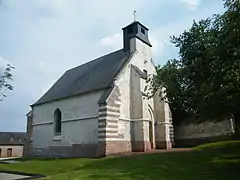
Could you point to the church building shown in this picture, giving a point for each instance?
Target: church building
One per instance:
(101, 107)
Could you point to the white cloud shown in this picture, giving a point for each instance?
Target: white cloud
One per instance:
(157, 44)
(160, 36)
(114, 41)
(191, 4)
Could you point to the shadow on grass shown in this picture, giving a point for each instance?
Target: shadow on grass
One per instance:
(197, 165)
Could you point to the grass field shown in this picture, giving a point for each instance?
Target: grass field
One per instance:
(216, 161)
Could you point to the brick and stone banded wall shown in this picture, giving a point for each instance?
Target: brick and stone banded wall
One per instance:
(108, 122)
(107, 127)
(171, 131)
(109, 114)
(109, 139)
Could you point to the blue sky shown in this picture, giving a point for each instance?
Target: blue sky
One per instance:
(44, 38)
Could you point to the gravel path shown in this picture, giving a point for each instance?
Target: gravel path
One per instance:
(7, 176)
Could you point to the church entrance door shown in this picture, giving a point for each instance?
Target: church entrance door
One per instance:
(151, 130)
(151, 133)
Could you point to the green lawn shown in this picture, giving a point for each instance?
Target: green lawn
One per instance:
(218, 161)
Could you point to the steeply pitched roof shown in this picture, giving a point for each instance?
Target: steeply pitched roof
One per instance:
(94, 75)
(12, 138)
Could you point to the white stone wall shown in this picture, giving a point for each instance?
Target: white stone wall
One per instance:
(79, 121)
(138, 130)
(123, 82)
(42, 135)
(144, 62)
(124, 128)
(146, 135)
(141, 59)
(163, 123)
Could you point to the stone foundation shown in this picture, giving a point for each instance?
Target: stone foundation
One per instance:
(76, 150)
(141, 146)
(101, 149)
(118, 147)
(113, 147)
(163, 144)
(96, 150)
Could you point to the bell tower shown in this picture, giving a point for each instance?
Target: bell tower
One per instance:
(134, 30)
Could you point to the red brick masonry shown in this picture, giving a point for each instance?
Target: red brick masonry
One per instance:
(113, 147)
(141, 146)
(118, 147)
(163, 144)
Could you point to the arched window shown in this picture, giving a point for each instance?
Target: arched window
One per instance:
(58, 123)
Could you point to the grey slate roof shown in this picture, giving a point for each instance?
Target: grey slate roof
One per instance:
(12, 138)
(94, 75)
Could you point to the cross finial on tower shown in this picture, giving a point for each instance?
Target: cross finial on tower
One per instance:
(134, 15)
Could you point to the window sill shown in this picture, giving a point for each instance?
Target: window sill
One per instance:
(57, 138)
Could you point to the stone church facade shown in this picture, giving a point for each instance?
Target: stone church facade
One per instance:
(101, 107)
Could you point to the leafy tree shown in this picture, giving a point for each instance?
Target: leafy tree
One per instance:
(205, 81)
(5, 77)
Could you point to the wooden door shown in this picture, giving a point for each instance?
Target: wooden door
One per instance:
(9, 152)
(151, 134)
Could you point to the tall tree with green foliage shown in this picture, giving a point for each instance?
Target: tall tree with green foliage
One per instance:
(5, 78)
(205, 81)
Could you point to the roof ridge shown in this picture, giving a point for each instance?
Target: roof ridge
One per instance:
(86, 63)
(12, 132)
